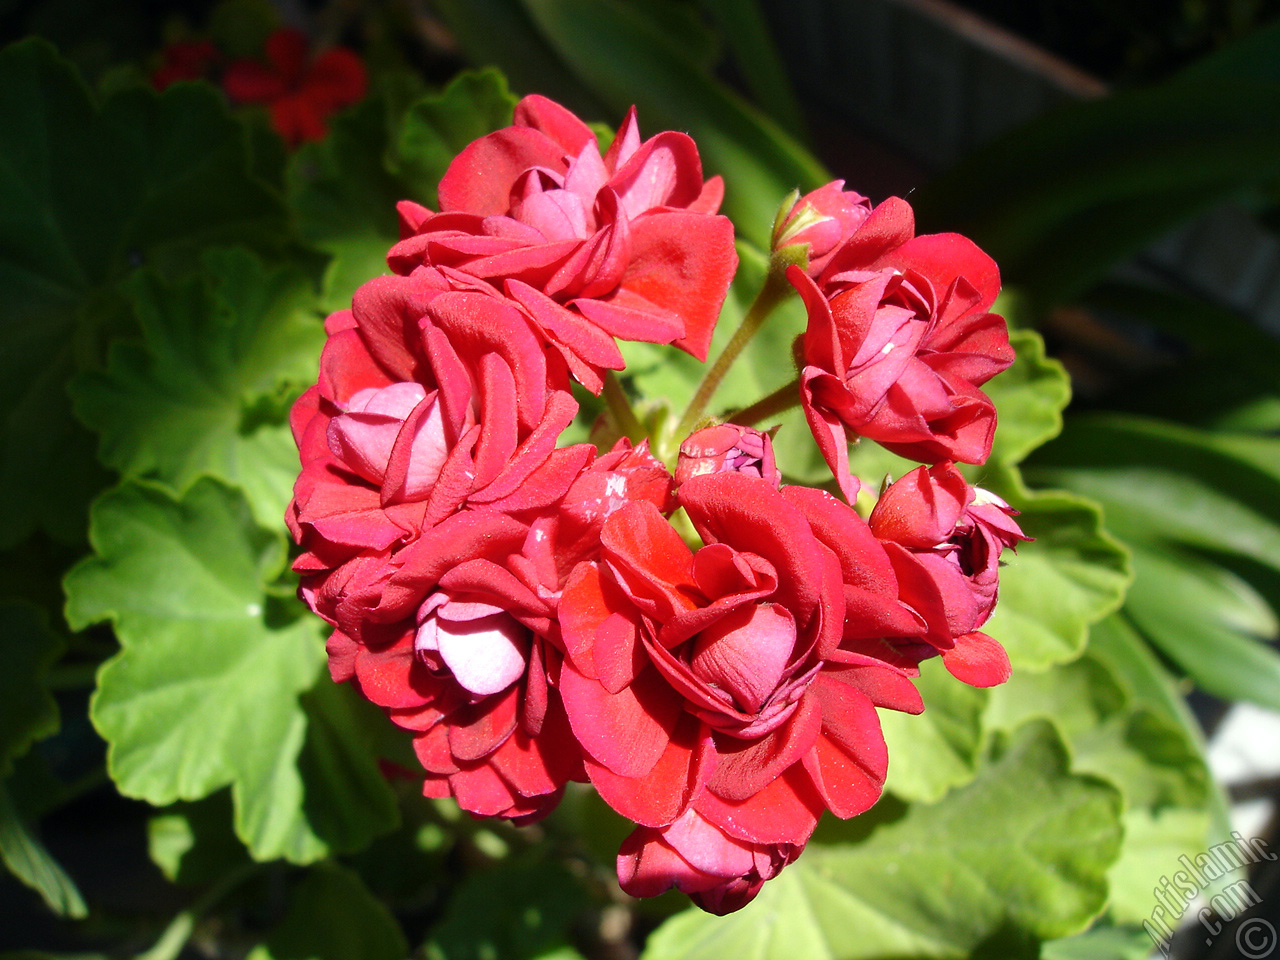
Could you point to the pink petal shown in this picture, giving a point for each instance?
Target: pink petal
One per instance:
(746, 767)
(849, 760)
(666, 791)
(683, 262)
(485, 654)
(746, 653)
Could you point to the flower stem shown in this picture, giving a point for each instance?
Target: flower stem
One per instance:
(784, 398)
(773, 292)
(624, 417)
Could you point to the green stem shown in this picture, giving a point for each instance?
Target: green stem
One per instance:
(180, 928)
(773, 292)
(784, 398)
(624, 417)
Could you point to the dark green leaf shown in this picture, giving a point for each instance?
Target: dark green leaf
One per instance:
(88, 195)
(344, 198)
(27, 710)
(1161, 483)
(756, 58)
(500, 33)
(519, 910)
(1210, 622)
(332, 916)
(29, 861)
(194, 842)
(347, 800)
(179, 403)
(437, 128)
(1060, 200)
(1209, 367)
(1188, 500)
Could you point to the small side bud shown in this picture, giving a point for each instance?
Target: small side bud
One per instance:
(728, 447)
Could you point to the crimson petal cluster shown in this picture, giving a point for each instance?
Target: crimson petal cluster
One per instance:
(532, 614)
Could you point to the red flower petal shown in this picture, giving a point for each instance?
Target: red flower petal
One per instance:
(784, 811)
(627, 731)
(978, 660)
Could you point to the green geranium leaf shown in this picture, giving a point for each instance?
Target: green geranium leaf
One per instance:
(520, 910)
(938, 749)
(205, 692)
(1101, 943)
(89, 193)
(184, 400)
(347, 800)
(1152, 760)
(333, 916)
(1029, 396)
(437, 128)
(29, 861)
(1052, 589)
(1190, 502)
(1017, 856)
(27, 710)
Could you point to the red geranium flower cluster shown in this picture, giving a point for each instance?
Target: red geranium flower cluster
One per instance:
(300, 92)
(531, 613)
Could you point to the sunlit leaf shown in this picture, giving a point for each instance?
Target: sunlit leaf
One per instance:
(205, 692)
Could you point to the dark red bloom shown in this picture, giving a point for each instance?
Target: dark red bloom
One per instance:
(944, 538)
(185, 60)
(899, 340)
(590, 247)
(718, 680)
(301, 92)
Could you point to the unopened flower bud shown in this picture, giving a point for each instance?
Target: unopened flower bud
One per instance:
(728, 447)
(823, 220)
